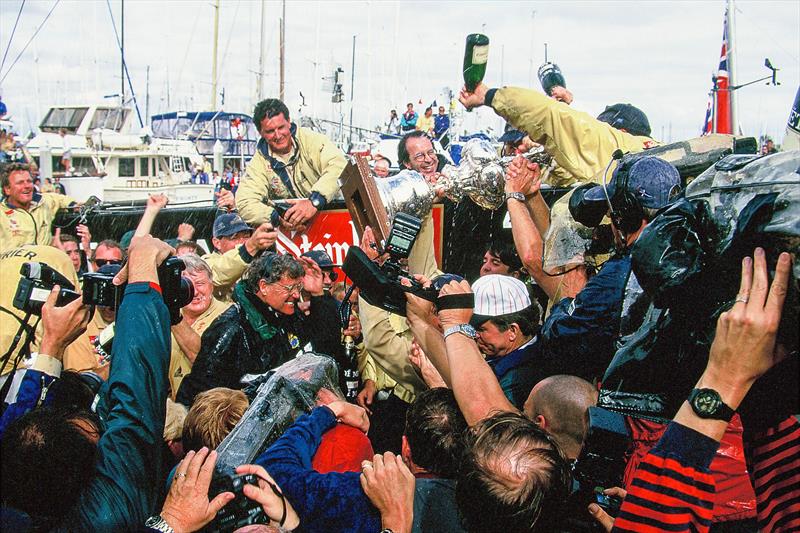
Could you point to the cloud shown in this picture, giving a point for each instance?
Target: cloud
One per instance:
(656, 55)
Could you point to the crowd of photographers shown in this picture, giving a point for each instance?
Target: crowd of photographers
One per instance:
(504, 403)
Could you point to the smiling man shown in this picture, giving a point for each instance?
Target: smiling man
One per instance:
(26, 216)
(290, 163)
(264, 328)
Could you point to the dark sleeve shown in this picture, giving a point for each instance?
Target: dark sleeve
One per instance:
(324, 502)
(128, 471)
(27, 396)
(578, 336)
(322, 326)
(672, 490)
(215, 364)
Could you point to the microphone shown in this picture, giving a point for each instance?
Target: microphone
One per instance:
(617, 154)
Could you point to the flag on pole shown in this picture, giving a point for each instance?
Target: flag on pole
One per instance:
(718, 112)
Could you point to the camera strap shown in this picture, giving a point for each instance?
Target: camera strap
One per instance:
(456, 301)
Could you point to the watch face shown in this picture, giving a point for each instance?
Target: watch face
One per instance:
(707, 402)
(469, 330)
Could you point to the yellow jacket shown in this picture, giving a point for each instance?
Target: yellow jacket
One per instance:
(425, 123)
(179, 364)
(82, 355)
(580, 144)
(226, 270)
(317, 169)
(18, 227)
(10, 317)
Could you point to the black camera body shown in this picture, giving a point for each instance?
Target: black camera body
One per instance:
(35, 285)
(381, 285)
(239, 512)
(601, 465)
(98, 289)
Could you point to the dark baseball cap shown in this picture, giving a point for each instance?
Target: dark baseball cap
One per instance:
(229, 224)
(511, 135)
(320, 257)
(626, 117)
(650, 179)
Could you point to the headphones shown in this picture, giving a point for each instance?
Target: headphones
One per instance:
(626, 211)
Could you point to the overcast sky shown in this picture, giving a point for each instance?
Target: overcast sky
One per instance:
(658, 56)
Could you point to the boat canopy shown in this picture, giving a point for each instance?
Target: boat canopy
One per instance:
(236, 131)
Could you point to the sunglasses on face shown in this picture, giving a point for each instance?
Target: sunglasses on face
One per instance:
(103, 262)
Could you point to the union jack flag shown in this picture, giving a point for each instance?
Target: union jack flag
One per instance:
(718, 112)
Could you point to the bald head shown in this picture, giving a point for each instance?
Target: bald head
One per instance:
(560, 404)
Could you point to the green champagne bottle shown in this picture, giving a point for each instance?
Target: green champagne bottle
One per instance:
(476, 53)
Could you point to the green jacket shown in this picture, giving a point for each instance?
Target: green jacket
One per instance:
(580, 144)
(317, 169)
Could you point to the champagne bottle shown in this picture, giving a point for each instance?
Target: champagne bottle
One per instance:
(476, 53)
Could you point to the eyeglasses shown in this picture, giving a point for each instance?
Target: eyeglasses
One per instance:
(297, 287)
(104, 262)
(332, 275)
(431, 154)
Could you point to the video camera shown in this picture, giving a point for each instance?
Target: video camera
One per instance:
(600, 466)
(239, 512)
(37, 281)
(177, 291)
(381, 285)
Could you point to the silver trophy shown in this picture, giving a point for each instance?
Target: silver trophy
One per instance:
(480, 176)
(481, 173)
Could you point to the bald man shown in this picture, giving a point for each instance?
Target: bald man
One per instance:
(559, 405)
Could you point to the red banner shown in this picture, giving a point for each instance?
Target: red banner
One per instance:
(334, 232)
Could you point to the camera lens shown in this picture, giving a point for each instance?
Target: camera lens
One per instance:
(185, 292)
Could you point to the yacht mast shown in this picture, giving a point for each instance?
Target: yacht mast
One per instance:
(732, 78)
(283, 49)
(214, 58)
(122, 54)
(260, 75)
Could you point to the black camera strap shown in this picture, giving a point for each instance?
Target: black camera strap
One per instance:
(456, 301)
(24, 327)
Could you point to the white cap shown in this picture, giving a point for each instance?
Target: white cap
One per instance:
(497, 295)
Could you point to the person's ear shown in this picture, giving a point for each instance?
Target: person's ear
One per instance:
(541, 422)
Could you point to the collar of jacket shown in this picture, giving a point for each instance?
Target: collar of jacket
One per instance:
(256, 312)
(37, 197)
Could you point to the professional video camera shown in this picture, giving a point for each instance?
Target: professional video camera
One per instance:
(37, 281)
(239, 512)
(177, 291)
(600, 466)
(381, 285)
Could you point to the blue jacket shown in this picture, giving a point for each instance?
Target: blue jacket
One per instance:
(324, 502)
(441, 123)
(579, 336)
(516, 372)
(335, 501)
(408, 123)
(28, 395)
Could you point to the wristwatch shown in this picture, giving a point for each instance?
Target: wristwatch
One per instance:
(707, 403)
(159, 524)
(464, 329)
(317, 200)
(515, 196)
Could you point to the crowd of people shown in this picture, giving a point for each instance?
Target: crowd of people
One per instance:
(487, 411)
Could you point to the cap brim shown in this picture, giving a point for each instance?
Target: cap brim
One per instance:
(477, 320)
(596, 194)
(511, 136)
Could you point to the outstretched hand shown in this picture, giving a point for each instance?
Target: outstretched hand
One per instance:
(187, 507)
(389, 485)
(473, 99)
(744, 345)
(523, 176)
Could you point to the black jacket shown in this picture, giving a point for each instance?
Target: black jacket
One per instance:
(252, 338)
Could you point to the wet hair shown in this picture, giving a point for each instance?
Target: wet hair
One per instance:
(212, 416)
(47, 461)
(435, 432)
(108, 243)
(402, 151)
(271, 107)
(271, 267)
(507, 253)
(527, 320)
(194, 264)
(513, 477)
(6, 169)
(191, 245)
(68, 237)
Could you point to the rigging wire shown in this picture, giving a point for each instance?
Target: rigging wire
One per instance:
(30, 40)
(125, 65)
(11, 38)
